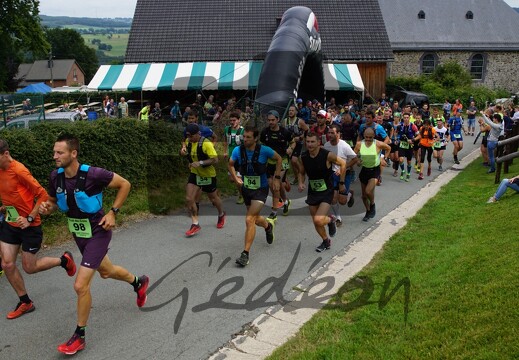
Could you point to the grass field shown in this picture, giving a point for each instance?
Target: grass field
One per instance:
(119, 43)
(460, 256)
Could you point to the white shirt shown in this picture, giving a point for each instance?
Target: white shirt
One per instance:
(342, 150)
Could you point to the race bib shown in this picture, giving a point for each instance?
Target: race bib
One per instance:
(457, 136)
(318, 185)
(11, 214)
(438, 144)
(80, 227)
(404, 145)
(202, 181)
(252, 182)
(285, 165)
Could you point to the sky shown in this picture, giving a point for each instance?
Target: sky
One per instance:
(109, 9)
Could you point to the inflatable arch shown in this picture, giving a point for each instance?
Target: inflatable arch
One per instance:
(293, 65)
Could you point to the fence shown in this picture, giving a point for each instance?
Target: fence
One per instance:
(507, 151)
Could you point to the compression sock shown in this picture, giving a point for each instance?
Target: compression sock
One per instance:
(25, 299)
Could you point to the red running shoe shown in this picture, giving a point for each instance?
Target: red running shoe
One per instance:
(21, 309)
(221, 221)
(141, 291)
(193, 230)
(75, 344)
(420, 177)
(71, 265)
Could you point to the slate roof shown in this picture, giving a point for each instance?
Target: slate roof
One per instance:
(240, 30)
(41, 71)
(495, 25)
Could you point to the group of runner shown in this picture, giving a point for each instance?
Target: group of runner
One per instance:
(77, 190)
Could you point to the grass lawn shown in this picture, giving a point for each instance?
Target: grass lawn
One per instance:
(461, 258)
(119, 43)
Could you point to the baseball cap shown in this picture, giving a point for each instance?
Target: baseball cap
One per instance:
(274, 112)
(299, 101)
(322, 113)
(192, 129)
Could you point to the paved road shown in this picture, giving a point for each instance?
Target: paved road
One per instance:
(198, 298)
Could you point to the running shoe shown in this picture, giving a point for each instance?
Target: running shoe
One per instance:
(286, 208)
(193, 230)
(395, 173)
(240, 200)
(221, 221)
(280, 204)
(332, 228)
(325, 245)
(440, 168)
(21, 309)
(338, 222)
(243, 260)
(270, 233)
(418, 170)
(491, 200)
(273, 216)
(75, 344)
(402, 174)
(366, 217)
(428, 171)
(408, 177)
(372, 211)
(420, 177)
(141, 290)
(456, 161)
(351, 200)
(71, 265)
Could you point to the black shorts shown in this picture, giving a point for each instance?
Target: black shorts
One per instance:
(30, 238)
(440, 148)
(369, 173)
(484, 141)
(405, 153)
(416, 146)
(315, 198)
(258, 194)
(297, 150)
(271, 170)
(394, 148)
(205, 188)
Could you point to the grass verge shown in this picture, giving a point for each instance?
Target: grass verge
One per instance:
(459, 256)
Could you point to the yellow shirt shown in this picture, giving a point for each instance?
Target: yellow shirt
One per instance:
(207, 148)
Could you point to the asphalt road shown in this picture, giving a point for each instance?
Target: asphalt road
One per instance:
(197, 298)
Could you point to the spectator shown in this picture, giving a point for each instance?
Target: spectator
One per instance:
(81, 112)
(512, 183)
(496, 129)
(175, 114)
(156, 113)
(123, 108)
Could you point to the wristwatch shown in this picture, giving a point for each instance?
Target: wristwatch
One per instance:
(201, 162)
(30, 219)
(115, 210)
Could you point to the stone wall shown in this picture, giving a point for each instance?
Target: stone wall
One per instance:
(500, 67)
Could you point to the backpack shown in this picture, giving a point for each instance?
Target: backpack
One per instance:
(200, 154)
(87, 204)
(259, 169)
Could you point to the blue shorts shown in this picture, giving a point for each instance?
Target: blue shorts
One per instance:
(456, 137)
(472, 122)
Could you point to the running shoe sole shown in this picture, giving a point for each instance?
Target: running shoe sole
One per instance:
(272, 223)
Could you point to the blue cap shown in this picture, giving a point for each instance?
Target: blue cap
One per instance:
(299, 101)
(192, 129)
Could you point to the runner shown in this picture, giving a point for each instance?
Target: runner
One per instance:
(202, 156)
(406, 133)
(321, 128)
(439, 146)
(298, 128)
(369, 151)
(416, 144)
(455, 125)
(397, 120)
(251, 160)
(317, 162)
(278, 139)
(344, 151)
(233, 138)
(427, 137)
(90, 226)
(21, 195)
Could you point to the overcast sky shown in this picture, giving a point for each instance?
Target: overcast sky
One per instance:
(109, 9)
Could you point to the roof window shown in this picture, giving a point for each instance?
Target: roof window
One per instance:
(421, 15)
(469, 15)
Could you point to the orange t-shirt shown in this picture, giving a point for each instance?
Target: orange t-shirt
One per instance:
(424, 140)
(20, 189)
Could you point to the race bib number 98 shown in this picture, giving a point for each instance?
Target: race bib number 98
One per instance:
(80, 227)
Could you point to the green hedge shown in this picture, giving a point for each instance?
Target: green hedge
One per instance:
(141, 153)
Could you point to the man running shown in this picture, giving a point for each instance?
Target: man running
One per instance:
(21, 195)
(455, 125)
(344, 151)
(278, 139)
(233, 135)
(298, 128)
(406, 132)
(251, 160)
(317, 162)
(202, 156)
(427, 136)
(77, 190)
(369, 151)
(439, 146)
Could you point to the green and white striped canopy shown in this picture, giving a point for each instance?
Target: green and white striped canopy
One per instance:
(207, 76)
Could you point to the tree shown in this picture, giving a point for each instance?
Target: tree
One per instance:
(20, 31)
(68, 44)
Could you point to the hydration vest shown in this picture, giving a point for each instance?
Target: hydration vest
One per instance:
(199, 151)
(87, 204)
(236, 138)
(259, 169)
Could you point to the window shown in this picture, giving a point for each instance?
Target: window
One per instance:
(75, 75)
(428, 63)
(469, 15)
(421, 15)
(477, 66)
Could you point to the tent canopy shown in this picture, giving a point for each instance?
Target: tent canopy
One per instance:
(39, 88)
(207, 76)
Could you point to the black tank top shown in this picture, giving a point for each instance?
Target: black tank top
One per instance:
(316, 168)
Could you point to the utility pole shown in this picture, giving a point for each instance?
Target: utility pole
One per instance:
(51, 65)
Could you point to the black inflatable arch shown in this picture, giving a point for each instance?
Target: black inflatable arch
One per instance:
(293, 65)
